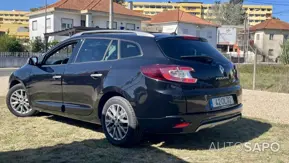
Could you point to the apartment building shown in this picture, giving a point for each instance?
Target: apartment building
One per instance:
(256, 13)
(15, 23)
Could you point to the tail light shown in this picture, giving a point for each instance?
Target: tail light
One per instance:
(169, 72)
(236, 73)
(182, 125)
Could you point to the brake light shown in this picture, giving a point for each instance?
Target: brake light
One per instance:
(182, 125)
(190, 38)
(169, 72)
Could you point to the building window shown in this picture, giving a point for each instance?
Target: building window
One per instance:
(130, 26)
(270, 52)
(66, 23)
(34, 25)
(48, 23)
(114, 25)
(82, 23)
(258, 37)
(271, 37)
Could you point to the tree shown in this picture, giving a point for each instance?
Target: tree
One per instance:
(14, 45)
(227, 13)
(52, 43)
(119, 1)
(36, 9)
(284, 57)
(10, 44)
(37, 45)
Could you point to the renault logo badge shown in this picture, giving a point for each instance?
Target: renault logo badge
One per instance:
(221, 69)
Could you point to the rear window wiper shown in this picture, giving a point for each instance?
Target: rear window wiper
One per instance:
(200, 58)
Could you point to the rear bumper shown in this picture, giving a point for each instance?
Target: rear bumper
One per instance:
(197, 121)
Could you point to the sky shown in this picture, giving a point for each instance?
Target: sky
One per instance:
(280, 7)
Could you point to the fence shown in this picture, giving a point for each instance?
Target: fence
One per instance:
(15, 59)
(271, 77)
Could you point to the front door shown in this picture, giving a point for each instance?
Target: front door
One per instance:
(83, 79)
(45, 86)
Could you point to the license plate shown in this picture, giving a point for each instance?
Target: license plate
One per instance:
(222, 101)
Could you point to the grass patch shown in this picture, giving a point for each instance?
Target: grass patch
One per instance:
(273, 78)
(47, 138)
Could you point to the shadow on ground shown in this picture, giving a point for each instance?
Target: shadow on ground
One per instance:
(99, 150)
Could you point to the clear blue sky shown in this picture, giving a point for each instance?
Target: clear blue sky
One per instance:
(280, 7)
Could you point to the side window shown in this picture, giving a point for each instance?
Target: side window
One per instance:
(92, 50)
(112, 52)
(62, 55)
(129, 49)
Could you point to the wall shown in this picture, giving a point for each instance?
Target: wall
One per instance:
(259, 42)
(265, 44)
(40, 25)
(55, 17)
(191, 29)
(18, 59)
(207, 32)
(101, 21)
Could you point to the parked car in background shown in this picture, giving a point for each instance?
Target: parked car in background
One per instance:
(131, 83)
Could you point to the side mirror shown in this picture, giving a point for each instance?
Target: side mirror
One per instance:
(33, 61)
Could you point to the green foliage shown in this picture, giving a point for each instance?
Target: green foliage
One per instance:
(36, 9)
(10, 44)
(37, 45)
(273, 78)
(264, 68)
(52, 43)
(227, 13)
(284, 57)
(119, 1)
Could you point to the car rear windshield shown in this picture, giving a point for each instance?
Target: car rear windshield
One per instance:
(179, 48)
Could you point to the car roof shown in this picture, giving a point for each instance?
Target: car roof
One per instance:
(128, 36)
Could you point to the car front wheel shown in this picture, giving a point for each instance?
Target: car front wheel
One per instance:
(119, 122)
(17, 102)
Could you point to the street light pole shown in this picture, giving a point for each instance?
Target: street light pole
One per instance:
(110, 14)
(45, 27)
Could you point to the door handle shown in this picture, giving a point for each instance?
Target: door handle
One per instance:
(56, 77)
(96, 75)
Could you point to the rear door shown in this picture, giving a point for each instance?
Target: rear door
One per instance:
(216, 76)
(83, 79)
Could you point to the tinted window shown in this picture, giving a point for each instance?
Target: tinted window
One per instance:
(129, 49)
(62, 55)
(93, 50)
(177, 47)
(112, 52)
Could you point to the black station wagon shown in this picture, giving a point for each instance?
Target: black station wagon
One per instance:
(131, 83)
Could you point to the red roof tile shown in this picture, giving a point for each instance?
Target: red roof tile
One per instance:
(271, 24)
(95, 5)
(178, 16)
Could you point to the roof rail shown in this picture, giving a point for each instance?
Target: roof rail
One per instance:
(138, 33)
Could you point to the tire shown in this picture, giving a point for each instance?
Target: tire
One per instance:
(24, 111)
(133, 134)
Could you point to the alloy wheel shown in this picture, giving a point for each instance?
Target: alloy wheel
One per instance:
(19, 102)
(116, 122)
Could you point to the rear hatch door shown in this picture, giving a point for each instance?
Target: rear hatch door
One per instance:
(216, 75)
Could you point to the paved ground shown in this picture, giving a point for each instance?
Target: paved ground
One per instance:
(258, 104)
(6, 71)
(3, 85)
